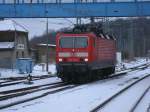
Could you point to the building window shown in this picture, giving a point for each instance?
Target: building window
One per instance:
(17, 54)
(23, 54)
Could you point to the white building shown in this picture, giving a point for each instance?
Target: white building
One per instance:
(13, 43)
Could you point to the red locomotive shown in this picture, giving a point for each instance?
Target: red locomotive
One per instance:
(84, 56)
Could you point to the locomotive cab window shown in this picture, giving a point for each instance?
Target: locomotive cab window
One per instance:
(73, 42)
(81, 42)
(66, 42)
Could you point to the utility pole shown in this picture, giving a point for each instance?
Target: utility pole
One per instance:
(131, 39)
(105, 22)
(47, 45)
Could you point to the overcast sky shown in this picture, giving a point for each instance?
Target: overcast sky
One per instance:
(37, 26)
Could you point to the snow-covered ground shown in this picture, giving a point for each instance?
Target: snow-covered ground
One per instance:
(37, 70)
(137, 62)
(131, 64)
(82, 98)
(144, 105)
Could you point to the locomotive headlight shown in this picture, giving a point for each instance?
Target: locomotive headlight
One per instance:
(86, 59)
(60, 59)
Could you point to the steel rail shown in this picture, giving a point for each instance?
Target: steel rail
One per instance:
(21, 81)
(97, 108)
(36, 97)
(25, 91)
(139, 100)
(27, 88)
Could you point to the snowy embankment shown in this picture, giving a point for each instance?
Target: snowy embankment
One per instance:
(131, 64)
(136, 63)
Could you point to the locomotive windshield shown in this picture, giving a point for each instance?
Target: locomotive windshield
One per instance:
(66, 42)
(73, 42)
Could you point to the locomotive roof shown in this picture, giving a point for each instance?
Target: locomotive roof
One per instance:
(107, 36)
(101, 35)
(96, 29)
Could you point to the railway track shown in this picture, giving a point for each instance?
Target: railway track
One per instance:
(10, 81)
(139, 100)
(4, 95)
(14, 82)
(107, 101)
(9, 94)
(43, 90)
(46, 89)
(148, 109)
